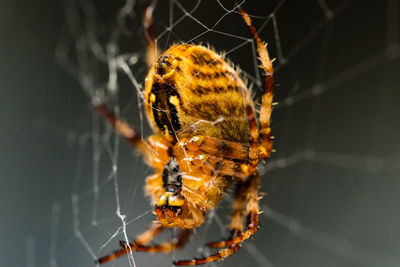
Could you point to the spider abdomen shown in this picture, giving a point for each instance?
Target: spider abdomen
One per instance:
(191, 90)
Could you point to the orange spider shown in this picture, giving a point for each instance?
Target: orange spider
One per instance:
(205, 139)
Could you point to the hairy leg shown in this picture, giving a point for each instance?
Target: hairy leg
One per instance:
(231, 157)
(217, 147)
(252, 216)
(237, 222)
(166, 247)
(266, 101)
(151, 46)
(131, 134)
(142, 239)
(140, 243)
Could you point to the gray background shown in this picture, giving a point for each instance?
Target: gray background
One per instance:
(332, 186)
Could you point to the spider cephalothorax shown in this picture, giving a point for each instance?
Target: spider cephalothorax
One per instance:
(205, 139)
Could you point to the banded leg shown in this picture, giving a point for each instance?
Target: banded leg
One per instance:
(151, 46)
(254, 140)
(252, 216)
(266, 101)
(237, 214)
(219, 256)
(121, 127)
(166, 247)
(216, 147)
(224, 167)
(226, 151)
(146, 237)
(131, 134)
(234, 244)
(142, 239)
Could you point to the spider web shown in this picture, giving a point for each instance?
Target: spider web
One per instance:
(331, 197)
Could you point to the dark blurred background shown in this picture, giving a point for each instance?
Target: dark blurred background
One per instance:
(332, 186)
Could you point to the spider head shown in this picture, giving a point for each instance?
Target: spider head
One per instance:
(172, 208)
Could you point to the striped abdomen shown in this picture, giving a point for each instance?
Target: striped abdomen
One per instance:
(191, 90)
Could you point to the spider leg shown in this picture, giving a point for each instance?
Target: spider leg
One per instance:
(237, 215)
(219, 256)
(121, 127)
(140, 243)
(148, 235)
(252, 216)
(166, 247)
(254, 140)
(231, 157)
(238, 209)
(131, 134)
(217, 147)
(225, 167)
(143, 238)
(151, 49)
(234, 244)
(266, 101)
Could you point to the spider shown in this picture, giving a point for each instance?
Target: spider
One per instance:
(206, 138)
